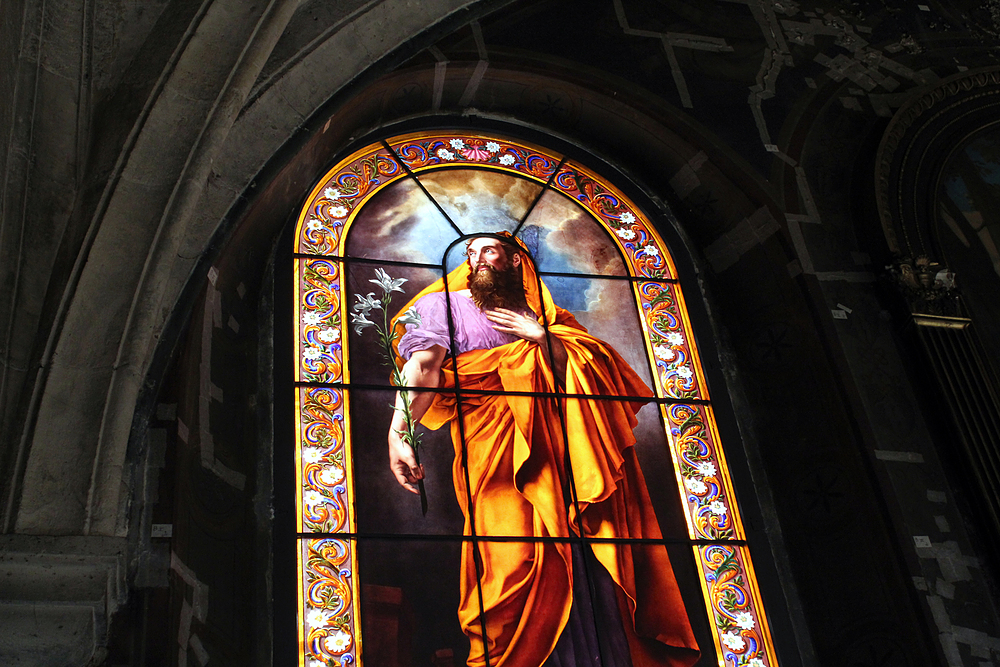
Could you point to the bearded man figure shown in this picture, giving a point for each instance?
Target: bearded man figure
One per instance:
(539, 465)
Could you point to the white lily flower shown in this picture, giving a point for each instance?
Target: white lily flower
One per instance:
(411, 316)
(366, 303)
(387, 282)
(361, 321)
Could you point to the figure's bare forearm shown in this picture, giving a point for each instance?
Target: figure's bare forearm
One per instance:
(422, 370)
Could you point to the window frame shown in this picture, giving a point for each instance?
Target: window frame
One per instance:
(733, 576)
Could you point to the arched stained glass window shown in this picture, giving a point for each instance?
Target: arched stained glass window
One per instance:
(565, 429)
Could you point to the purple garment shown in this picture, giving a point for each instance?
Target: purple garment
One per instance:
(473, 331)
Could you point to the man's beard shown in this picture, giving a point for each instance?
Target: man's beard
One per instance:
(497, 288)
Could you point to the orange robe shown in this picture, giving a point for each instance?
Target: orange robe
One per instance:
(515, 454)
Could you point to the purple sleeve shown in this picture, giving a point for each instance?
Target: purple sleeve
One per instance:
(433, 328)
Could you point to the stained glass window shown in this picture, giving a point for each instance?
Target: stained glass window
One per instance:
(575, 498)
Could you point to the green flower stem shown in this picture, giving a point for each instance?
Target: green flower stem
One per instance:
(387, 336)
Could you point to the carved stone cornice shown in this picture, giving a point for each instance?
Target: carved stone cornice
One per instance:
(929, 290)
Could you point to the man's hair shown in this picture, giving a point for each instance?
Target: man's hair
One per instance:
(510, 247)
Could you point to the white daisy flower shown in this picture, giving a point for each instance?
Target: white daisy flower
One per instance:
(332, 193)
(664, 352)
(684, 372)
(312, 497)
(627, 218)
(507, 159)
(445, 154)
(338, 641)
(311, 318)
(716, 507)
(492, 146)
(329, 335)
(457, 144)
(652, 251)
(706, 469)
(675, 338)
(316, 617)
(733, 641)
(331, 475)
(755, 662)
(312, 454)
(695, 486)
(625, 233)
(312, 353)
(314, 224)
(744, 619)
(338, 211)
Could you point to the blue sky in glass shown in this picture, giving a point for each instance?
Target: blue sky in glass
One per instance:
(401, 223)
(989, 169)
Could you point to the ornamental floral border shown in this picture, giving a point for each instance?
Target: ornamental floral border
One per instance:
(328, 590)
(704, 484)
(319, 338)
(732, 598)
(334, 202)
(642, 247)
(329, 627)
(421, 152)
(324, 471)
(669, 342)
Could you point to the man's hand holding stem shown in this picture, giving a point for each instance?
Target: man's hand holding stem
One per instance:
(422, 370)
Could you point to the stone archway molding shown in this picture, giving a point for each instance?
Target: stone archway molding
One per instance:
(191, 154)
